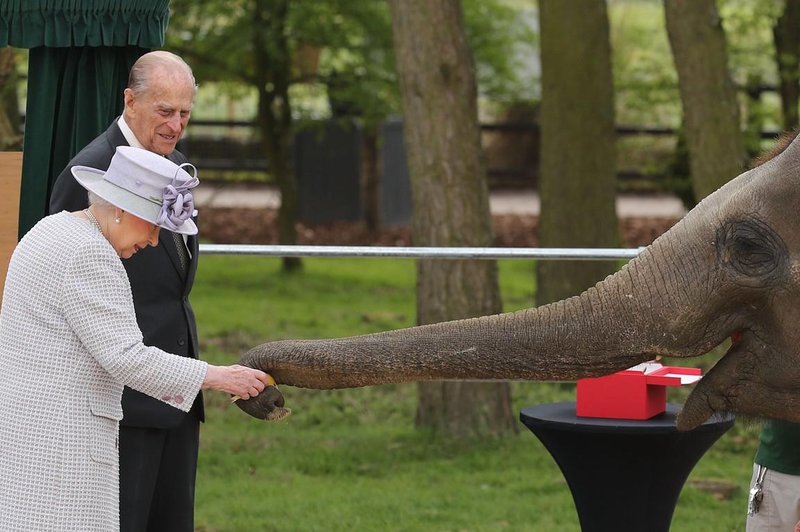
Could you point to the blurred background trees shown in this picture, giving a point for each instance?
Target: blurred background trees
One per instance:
(503, 37)
(341, 65)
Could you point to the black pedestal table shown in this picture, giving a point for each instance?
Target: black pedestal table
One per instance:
(625, 475)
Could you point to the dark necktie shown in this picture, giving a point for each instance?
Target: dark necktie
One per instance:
(183, 253)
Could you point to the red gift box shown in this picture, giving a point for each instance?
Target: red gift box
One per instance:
(636, 393)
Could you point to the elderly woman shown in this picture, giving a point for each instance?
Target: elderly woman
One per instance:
(69, 342)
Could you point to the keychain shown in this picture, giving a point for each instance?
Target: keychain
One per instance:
(756, 492)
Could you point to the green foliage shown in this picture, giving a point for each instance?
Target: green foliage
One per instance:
(351, 459)
(356, 67)
(355, 71)
(505, 46)
(644, 73)
(647, 88)
(645, 79)
(751, 59)
(748, 28)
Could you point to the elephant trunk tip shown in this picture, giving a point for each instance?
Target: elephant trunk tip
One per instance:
(268, 405)
(278, 414)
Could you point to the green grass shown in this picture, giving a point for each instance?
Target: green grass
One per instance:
(352, 459)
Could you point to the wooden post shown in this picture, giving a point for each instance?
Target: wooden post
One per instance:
(10, 178)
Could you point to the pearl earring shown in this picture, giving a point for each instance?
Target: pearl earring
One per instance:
(117, 219)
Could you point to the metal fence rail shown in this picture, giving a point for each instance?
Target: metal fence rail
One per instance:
(423, 252)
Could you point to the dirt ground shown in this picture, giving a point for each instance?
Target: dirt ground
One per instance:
(258, 226)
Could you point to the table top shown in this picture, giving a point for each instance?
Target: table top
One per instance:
(563, 417)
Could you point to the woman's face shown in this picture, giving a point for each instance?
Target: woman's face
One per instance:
(132, 234)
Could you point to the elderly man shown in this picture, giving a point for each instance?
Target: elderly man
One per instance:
(157, 444)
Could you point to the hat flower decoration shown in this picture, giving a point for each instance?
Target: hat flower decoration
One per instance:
(178, 204)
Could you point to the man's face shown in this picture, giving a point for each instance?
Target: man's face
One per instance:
(158, 115)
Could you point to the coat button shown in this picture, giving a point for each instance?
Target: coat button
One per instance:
(181, 341)
(166, 398)
(178, 399)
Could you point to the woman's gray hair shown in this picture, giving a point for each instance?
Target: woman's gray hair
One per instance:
(94, 199)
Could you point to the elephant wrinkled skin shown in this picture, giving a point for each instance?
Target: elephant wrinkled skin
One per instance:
(729, 268)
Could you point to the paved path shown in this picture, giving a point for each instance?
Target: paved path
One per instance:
(502, 202)
(628, 205)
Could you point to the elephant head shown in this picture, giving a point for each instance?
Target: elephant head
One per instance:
(729, 269)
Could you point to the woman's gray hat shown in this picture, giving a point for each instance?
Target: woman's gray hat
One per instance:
(146, 185)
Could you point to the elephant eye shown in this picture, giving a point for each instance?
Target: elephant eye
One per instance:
(752, 248)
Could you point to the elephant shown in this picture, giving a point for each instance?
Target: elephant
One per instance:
(730, 268)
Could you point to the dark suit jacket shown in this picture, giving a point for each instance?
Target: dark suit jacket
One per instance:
(160, 288)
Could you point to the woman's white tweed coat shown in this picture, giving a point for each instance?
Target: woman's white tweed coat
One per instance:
(68, 343)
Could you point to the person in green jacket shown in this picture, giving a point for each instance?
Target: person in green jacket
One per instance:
(774, 499)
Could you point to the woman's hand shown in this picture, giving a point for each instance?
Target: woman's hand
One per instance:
(237, 380)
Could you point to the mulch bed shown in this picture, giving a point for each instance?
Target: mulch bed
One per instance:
(259, 226)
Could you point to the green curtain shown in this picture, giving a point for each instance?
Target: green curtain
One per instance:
(73, 95)
(78, 63)
(60, 23)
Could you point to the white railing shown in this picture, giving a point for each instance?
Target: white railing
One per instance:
(423, 252)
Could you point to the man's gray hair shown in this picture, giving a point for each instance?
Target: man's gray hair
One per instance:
(146, 65)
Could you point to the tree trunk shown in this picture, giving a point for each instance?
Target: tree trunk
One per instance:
(754, 116)
(370, 178)
(711, 112)
(450, 200)
(787, 56)
(10, 137)
(273, 76)
(577, 182)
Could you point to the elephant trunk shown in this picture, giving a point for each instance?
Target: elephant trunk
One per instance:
(457, 350)
(618, 323)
